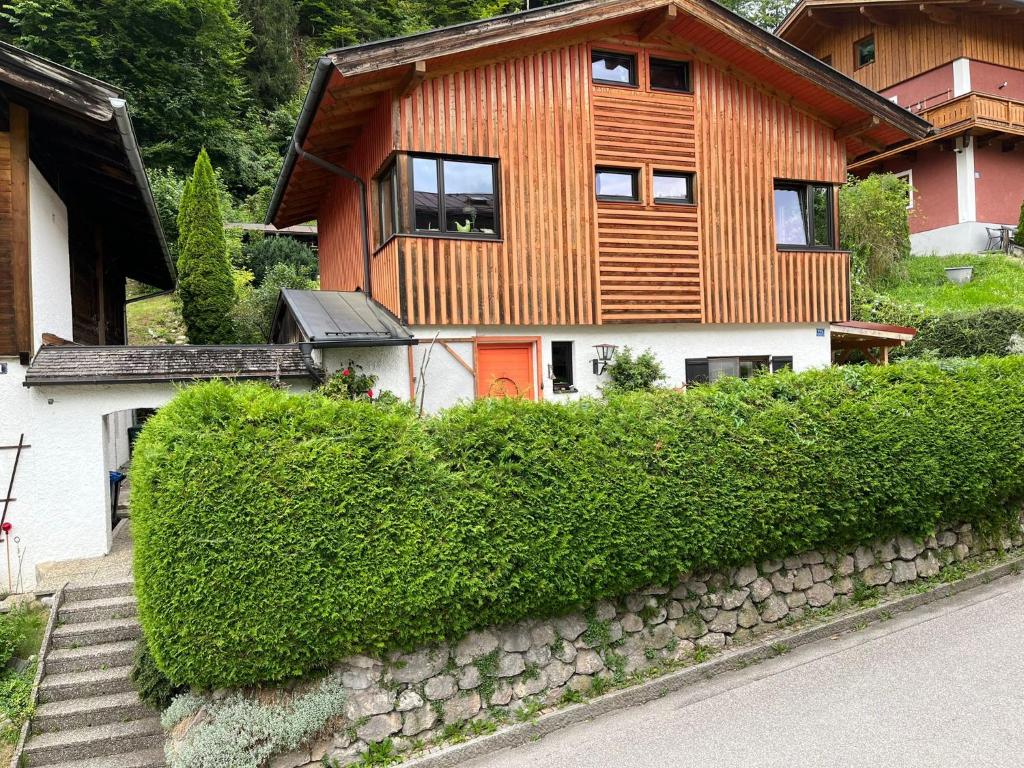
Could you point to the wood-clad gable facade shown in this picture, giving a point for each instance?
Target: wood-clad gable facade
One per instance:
(563, 254)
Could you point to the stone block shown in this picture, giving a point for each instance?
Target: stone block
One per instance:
(605, 611)
(843, 585)
(418, 720)
(510, 665)
(863, 558)
(691, 627)
(796, 599)
(697, 587)
(782, 581)
(409, 700)
(461, 707)
(712, 640)
(908, 548)
(540, 656)
(658, 616)
(747, 616)
(588, 662)
(792, 562)
(440, 688)
(502, 694)
(733, 598)
(771, 566)
(802, 578)
(558, 673)
(821, 572)
(675, 609)
(474, 646)
(635, 603)
(845, 566)
(812, 557)
(522, 687)
(658, 637)
(379, 727)
(820, 595)
(543, 634)
(293, 759)
(417, 667)
(760, 588)
(773, 609)
(744, 575)
(368, 702)
(877, 575)
(927, 565)
(708, 614)
(724, 622)
(903, 571)
(515, 639)
(945, 539)
(571, 626)
(631, 623)
(886, 551)
(564, 651)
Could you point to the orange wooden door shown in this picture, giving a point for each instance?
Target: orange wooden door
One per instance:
(505, 370)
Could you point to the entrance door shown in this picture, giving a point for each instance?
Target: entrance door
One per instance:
(506, 369)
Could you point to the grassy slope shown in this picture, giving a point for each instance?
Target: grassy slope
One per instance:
(16, 687)
(998, 281)
(155, 321)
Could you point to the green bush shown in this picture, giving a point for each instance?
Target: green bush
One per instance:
(152, 684)
(633, 374)
(1018, 236)
(276, 533)
(874, 226)
(262, 254)
(997, 331)
(11, 637)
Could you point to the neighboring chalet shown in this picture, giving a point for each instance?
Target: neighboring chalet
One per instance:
(601, 173)
(76, 219)
(960, 65)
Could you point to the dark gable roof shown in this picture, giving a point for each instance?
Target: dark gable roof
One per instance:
(339, 319)
(79, 130)
(122, 365)
(366, 60)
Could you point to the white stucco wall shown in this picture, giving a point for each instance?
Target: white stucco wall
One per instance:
(51, 262)
(969, 237)
(448, 382)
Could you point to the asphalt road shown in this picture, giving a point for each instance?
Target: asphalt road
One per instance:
(940, 686)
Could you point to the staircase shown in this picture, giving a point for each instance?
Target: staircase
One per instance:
(89, 715)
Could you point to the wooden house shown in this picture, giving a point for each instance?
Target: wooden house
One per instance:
(527, 192)
(960, 65)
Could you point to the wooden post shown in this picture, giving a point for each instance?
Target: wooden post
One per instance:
(21, 257)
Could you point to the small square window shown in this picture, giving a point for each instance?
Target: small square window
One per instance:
(673, 188)
(864, 51)
(617, 184)
(908, 176)
(561, 366)
(804, 215)
(668, 75)
(613, 68)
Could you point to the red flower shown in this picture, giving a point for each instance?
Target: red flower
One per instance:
(346, 372)
(7, 527)
(369, 393)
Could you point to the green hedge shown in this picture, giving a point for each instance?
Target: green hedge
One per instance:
(997, 331)
(276, 533)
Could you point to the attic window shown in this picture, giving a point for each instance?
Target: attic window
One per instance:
(613, 68)
(668, 75)
(618, 185)
(864, 51)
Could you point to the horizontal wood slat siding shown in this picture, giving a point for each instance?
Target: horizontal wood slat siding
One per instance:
(529, 112)
(339, 222)
(8, 342)
(648, 255)
(747, 140)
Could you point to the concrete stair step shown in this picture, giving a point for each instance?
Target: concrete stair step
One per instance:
(96, 741)
(94, 710)
(100, 609)
(81, 685)
(102, 656)
(95, 633)
(74, 593)
(150, 758)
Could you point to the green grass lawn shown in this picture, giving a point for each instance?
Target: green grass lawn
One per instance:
(155, 321)
(998, 282)
(28, 624)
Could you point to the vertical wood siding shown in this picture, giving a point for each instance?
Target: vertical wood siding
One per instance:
(340, 238)
(529, 112)
(8, 344)
(748, 139)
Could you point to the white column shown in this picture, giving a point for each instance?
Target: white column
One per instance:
(961, 77)
(965, 190)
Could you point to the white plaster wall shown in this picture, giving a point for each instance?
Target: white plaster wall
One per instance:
(51, 261)
(968, 237)
(448, 382)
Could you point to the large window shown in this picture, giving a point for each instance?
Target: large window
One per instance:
(455, 196)
(561, 366)
(613, 68)
(668, 75)
(387, 202)
(673, 188)
(618, 184)
(804, 215)
(707, 369)
(864, 51)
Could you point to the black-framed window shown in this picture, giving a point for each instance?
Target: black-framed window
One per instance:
(387, 202)
(609, 68)
(618, 184)
(703, 370)
(561, 366)
(673, 188)
(804, 215)
(669, 75)
(864, 51)
(455, 196)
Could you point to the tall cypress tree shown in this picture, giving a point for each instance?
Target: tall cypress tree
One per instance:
(205, 284)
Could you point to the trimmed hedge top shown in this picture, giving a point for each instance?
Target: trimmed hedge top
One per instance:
(276, 533)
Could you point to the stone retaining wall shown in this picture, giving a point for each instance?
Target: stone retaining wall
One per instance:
(469, 686)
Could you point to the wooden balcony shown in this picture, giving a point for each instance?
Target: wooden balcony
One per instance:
(978, 109)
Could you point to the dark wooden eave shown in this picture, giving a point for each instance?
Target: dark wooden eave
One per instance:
(81, 139)
(349, 82)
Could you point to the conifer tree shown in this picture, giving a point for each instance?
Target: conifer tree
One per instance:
(1018, 238)
(205, 283)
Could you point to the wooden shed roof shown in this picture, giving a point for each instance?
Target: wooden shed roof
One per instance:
(80, 133)
(349, 83)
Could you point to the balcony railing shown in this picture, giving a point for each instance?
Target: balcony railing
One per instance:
(979, 108)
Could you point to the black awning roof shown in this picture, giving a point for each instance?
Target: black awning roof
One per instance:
(337, 319)
(121, 365)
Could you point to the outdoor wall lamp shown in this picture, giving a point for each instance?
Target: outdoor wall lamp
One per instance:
(604, 356)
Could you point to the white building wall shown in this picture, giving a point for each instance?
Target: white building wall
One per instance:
(51, 261)
(446, 381)
(968, 237)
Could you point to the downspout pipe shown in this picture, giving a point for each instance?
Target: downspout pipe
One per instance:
(364, 217)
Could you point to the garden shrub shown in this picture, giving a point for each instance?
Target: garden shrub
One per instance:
(633, 374)
(994, 331)
(276, 533)
(1018, 236)
(151, 683)
(11, 637)
(874, 226)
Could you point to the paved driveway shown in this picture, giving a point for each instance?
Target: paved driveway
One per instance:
(941, 686)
